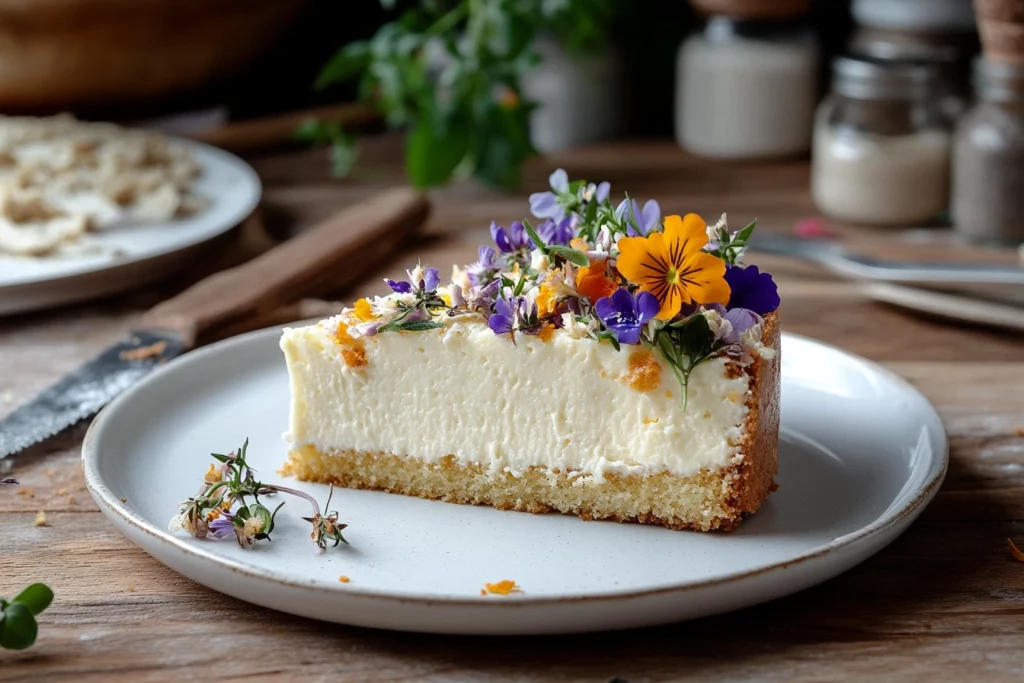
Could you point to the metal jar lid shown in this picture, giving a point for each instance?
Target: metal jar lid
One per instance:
(997, 82)
(865, 78)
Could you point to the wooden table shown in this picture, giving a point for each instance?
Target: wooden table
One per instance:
(945, 601)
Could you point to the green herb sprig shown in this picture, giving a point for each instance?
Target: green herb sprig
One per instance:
(18, 628)
(450, 73)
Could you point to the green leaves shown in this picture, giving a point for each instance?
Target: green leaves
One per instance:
(36, 597)
(685, 344)
(450, 72)
(731, 246)
(560, 250)
(571, 255)
(18, 628)
(434, 148)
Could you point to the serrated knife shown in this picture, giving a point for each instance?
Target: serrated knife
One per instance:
(329, 256)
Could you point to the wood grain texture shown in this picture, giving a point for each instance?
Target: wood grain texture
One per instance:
(943, 602)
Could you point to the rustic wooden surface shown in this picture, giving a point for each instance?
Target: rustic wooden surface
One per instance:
(943, 602)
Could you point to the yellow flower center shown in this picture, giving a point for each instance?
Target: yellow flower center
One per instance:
(672, 276)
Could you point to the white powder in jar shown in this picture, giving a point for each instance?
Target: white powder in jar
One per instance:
(880, 179)
(743, 98)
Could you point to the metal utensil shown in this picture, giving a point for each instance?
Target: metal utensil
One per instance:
(330, 255)
(839, 260)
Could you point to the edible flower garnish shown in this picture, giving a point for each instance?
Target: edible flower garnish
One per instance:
(222, 509)
(672, 266)
(595, 268)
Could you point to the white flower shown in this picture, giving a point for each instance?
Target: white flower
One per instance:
(416, 275)
(539, 261)
(578, 329)
(455, 295)
(714, 230)
(460, 276)
(604, 240)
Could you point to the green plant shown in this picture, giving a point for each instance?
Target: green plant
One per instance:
(449, 73)
(18, 627)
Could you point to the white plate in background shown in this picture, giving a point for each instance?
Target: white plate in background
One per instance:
(130, 256)
(862, 453)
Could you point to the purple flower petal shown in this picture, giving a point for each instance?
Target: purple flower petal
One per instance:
(545, 205)
(647, 306)
(650, 216)
(624, 314)
(559, 180)
(603, 190)
(487, 256)
(557, 232)
(741, 319)
(751, 289)
(502, 319)
(222, 527)
(430, 280)
(401, 287)
(500, 236)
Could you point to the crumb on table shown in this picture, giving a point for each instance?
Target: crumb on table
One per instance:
(40, 519)
(344, 579)
(143, 352)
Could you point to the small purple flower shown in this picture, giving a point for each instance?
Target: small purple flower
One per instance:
(401, 286)
(430, 280)
(751, 289)
(546, 204)
(740, 320)
(511, 240)
(639, 222)
(625, 315)
(223, 526)
(503, 320)
(603, 190)
(482, 298)
(557, 232)
(484, 269)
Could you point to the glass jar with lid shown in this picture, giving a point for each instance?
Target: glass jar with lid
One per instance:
(950, 53)
(746, 89)
(988, 157)
(881, 144)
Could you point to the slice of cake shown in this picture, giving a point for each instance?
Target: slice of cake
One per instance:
(607, 364)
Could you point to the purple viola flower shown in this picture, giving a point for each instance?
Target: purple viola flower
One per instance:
(430, 280)
(557, 232)
(483, 270)
(503, 320)
(639, 222)
(511, 240)
(751, 289)
(400, 286)
(740, 320)
(223, 526)
(625, 314)
(546, 204)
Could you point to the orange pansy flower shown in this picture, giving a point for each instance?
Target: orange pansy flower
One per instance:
(593, 282)
(672, 267)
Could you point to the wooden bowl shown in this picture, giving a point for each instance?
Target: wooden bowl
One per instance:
(753, 9)
(1000, 10)
(67, 54)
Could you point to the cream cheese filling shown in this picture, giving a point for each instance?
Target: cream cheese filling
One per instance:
(566, 404)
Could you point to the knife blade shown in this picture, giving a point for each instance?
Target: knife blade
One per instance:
(329, 256)
(83, 392)
(841, 261)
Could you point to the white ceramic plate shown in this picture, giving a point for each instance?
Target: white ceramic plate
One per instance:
(862, 453)
(130, 256)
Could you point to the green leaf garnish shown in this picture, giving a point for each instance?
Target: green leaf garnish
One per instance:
(36, 597)
(571, 255)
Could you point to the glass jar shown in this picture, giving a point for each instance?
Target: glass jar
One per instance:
(881, 145)
(746, 89)
(988, 158)
(950, 53)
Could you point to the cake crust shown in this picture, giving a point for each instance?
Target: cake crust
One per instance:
(710, 500)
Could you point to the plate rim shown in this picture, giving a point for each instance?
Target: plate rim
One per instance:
(142, 257)
(112, 507)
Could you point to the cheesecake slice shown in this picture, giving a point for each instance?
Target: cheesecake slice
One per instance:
(556, 374)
